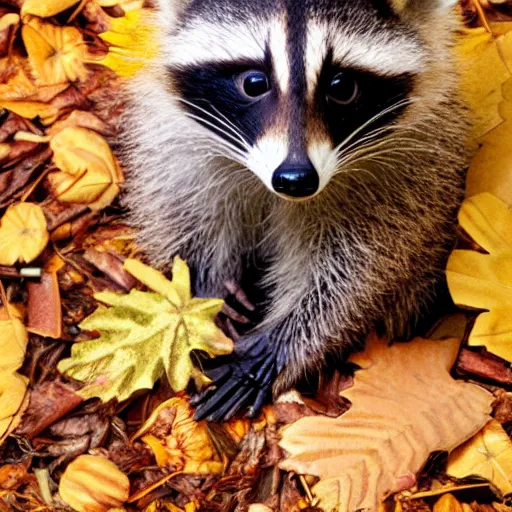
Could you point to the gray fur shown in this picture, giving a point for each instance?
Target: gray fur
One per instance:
(370, 249)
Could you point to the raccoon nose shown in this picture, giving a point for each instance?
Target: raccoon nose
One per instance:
(296, 180)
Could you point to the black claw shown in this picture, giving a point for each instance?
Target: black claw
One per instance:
(241, 380)
(255, 408)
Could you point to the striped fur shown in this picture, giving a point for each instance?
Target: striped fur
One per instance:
(369, 249)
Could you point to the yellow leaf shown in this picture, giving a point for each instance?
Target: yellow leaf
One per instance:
(484, 281)
(21, 88)
(144, 335)
(132, 42)
(448, 503)
(56, 54)
(13, 387)
(21, 96)
(405, 405)
(13, 344)
(94, 484)
(490, 56)
(89, 172)
(23, 234)
(488, 455)
(186, 445)
(176, 291)
(46, 8)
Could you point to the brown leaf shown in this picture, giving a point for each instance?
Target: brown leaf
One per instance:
(405, 405)
(12, 153)
(9, 25)
(82, 119)
(503, 407)
(13, 181)
(11, 125)
(112, 266)
(482, 365)
(44, 312)
(12, 476)
(97, 20)
(49, 402)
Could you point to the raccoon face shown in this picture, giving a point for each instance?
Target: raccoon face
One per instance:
(297, 90)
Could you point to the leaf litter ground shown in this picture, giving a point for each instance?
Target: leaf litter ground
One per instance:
(112, 433)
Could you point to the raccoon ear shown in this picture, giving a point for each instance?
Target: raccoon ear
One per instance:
(171, 10)
(423, 5)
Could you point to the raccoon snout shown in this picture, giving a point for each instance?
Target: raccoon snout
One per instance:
(298, 181)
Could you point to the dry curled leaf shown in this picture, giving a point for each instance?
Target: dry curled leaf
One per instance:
(487, 455)
(93, 484)
(186, 445)
(405, 405)
(56, 54)
(146, 334)
(89, 172)
(23, 234)
(484, 281)
(19, 95)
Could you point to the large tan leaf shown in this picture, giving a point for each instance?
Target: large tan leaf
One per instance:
(405, 405)
(484, 281)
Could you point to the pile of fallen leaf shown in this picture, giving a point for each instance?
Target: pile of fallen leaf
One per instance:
(97, 347)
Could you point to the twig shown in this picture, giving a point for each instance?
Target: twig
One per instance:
(310, 497)
(68, 215)
(5, 302)
(482, 16)
(484, 366)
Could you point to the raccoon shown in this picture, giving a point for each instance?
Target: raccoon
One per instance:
(314, 147)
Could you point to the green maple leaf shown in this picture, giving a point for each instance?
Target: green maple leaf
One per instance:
(144, 335)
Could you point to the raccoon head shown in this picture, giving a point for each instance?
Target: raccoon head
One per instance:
(294, 89)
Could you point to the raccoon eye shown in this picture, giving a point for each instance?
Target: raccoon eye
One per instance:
(343, 89)
(253, 84)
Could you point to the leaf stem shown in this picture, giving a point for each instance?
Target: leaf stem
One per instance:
(482, 16)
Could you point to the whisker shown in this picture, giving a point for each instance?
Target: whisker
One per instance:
(228, 124)
(373, 119)
(229, 146)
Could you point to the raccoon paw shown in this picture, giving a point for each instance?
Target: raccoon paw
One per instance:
(241, 380)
